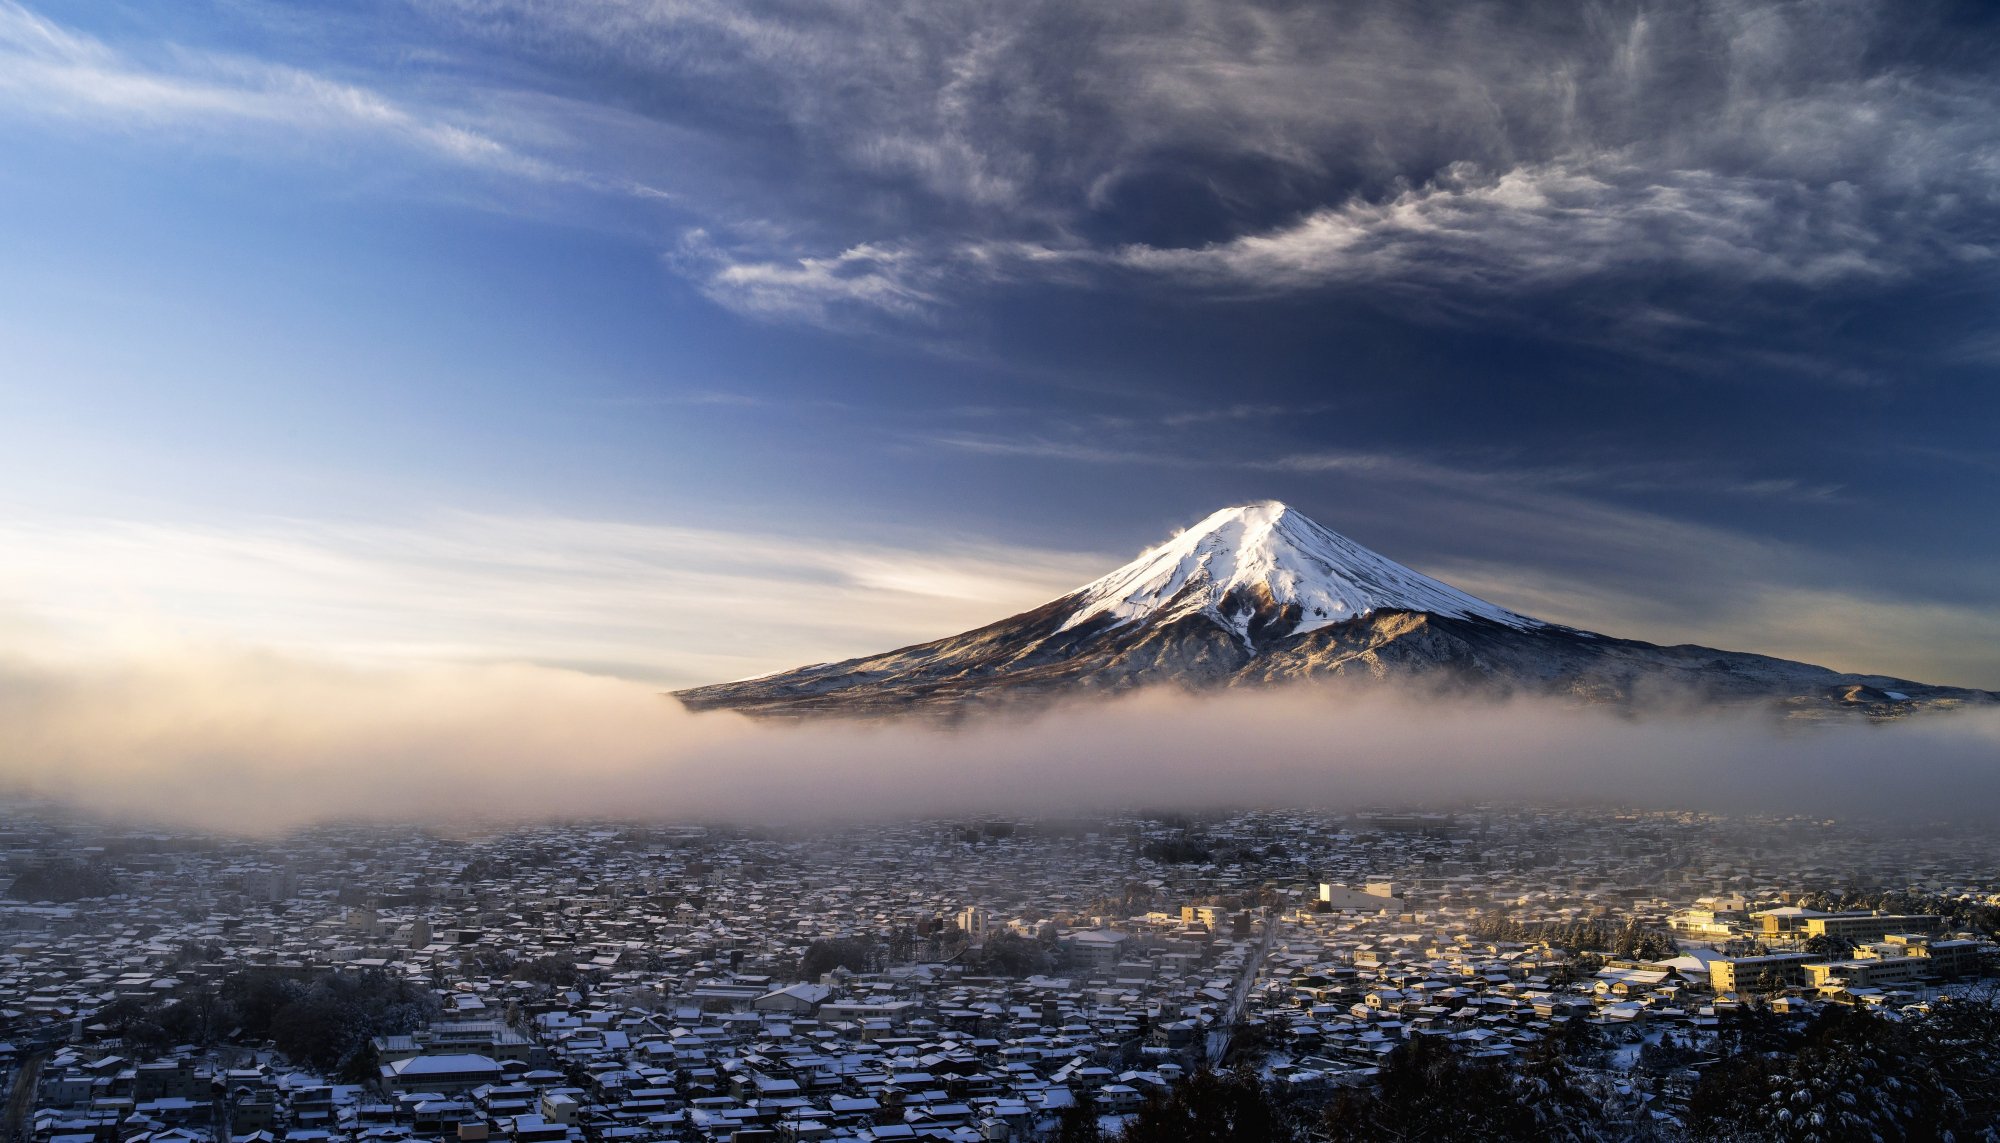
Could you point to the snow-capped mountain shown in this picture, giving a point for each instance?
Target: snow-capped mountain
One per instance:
(1259, 594)
(1240, 562)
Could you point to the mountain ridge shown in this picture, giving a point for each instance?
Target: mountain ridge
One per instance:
(1259, 595)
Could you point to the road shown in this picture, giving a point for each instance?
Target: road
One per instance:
(21, 1100)
(1224, 1030)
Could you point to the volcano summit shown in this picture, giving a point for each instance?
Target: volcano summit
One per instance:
(1259, 595)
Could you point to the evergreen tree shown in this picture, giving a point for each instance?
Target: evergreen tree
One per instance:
(1426, 1091)
(1078, 1121)
(1211, 1107)
(1547, 1085)
(851, 953)
(1961, 1040)
(1851, 1075)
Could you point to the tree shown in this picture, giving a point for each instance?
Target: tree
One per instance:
(363, 1065)
(1211, 1107)
(327, 1022)
(1962, 912)
(1665, 1056)
(1077, 1123)
(137, 1024)
(1961, 1039)
(1176, 851)
(1852, 1075)
(553, 971)
(823, 956)
(1581, 966)
(63, 881)
(1753, 1030)
(1629, 941)
(1636, 942)
(1546, 1084)
(1426, 1091)
(1010, 954)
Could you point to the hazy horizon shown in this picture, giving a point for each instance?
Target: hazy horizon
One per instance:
(262, 743)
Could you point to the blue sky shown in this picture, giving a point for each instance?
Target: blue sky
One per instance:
(679, 339)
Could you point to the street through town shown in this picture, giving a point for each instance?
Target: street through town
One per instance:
(1224, 1031)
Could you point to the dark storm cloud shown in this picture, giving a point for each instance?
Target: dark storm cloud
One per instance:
(913, 151)
(1653, 167)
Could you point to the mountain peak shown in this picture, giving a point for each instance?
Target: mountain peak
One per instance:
(1258, 595)
(1255, 557)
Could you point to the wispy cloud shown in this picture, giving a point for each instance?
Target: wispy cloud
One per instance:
(674, 605)
(1470, 149)
(722, 400)
(51, 72)
(846, 164)
(817, 291)
(1553, 224)
(1128, 440)
(1704, 479)
(1469, 234)
(1239, 412)
(1041, 448)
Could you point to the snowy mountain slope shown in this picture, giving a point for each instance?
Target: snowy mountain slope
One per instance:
(1269, 554)
(1259, 595)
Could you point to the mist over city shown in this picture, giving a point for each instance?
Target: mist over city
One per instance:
(261, 744)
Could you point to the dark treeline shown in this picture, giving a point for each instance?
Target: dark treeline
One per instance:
(1850, 1074)
(1002, 954)
(1842, 1074)
(1425, 1091)
(1188, 849)
(63, 881)
(855, 954)
(325, 1021)
(553, 971)
(1629, 941)
(1177, 851)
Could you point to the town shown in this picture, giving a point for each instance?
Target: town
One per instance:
(965, 979)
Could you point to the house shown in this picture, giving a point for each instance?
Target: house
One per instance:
(1098, 948)
(442, 1074)
(797, 1000)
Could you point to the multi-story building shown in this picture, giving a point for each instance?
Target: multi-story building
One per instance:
(1873, 972)
(1858, 927)
(1776, 970)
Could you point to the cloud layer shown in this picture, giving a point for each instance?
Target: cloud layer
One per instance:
(1481, 147)
(244, 742)
(830, 161)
